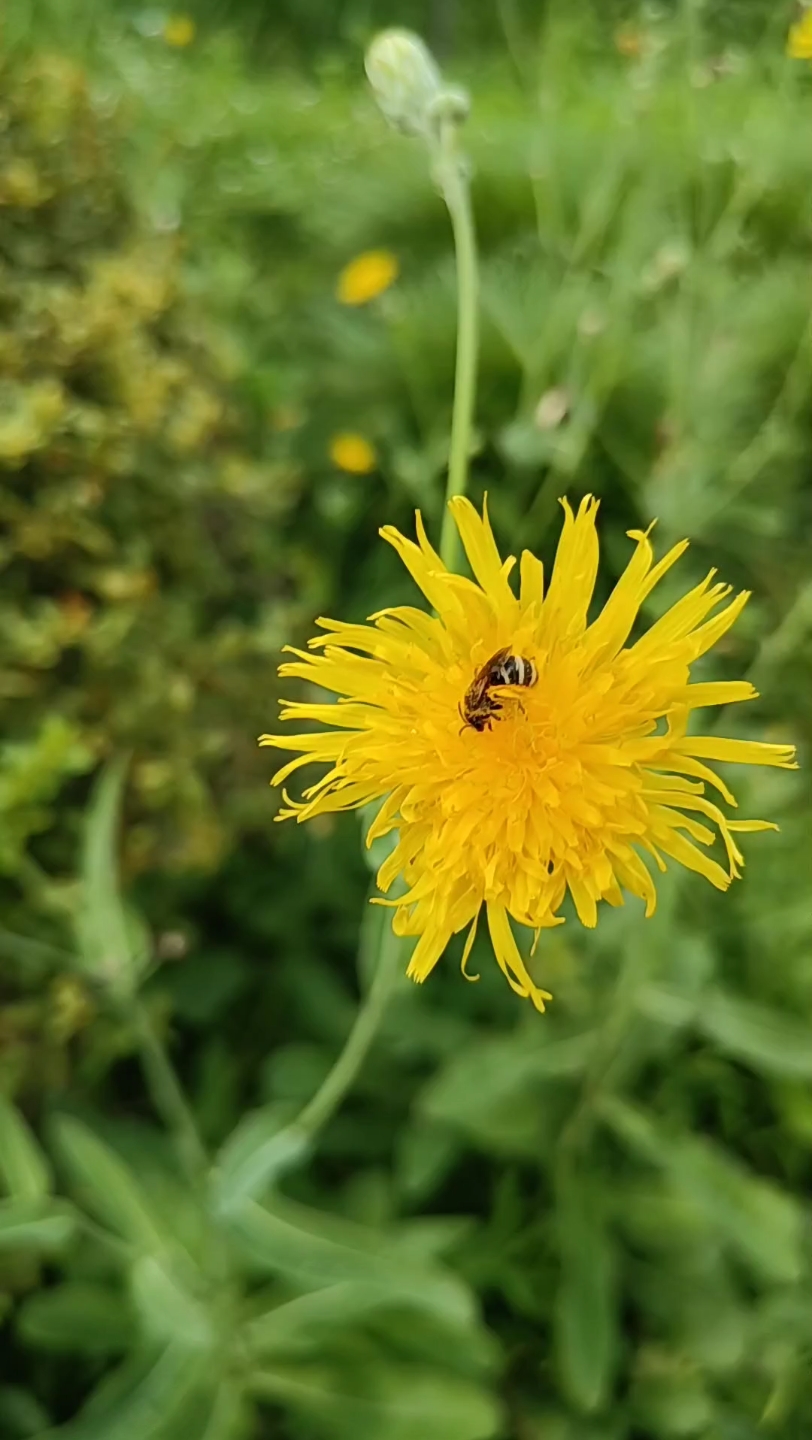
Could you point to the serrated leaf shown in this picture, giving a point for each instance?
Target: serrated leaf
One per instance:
(25, 1170)
(112, 941)
(586, 1324)
(106, 1185)
(76, 1317)
(169, 1312)
(759, 1036)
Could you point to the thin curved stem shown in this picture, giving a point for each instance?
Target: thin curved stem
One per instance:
(333, 1089)
(452, 176)
(166, 1093)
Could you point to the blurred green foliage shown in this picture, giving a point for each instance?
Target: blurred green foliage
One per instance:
(586, 1226)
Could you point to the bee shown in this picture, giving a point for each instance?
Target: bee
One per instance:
(479, 708)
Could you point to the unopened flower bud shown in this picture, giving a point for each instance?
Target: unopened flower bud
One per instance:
(404, 77)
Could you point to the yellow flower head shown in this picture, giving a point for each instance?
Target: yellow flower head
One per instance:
(353, 453)
(366, 276)
(578, 772)
(179, 31)
(799, 39)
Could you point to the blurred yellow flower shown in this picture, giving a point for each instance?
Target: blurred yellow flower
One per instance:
(579, 771)
(799, 39)
(629, 42)
(366, 276)
(179, 31)
(353, 453)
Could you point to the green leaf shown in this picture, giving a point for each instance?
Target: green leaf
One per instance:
(586, 1324)
(21, 1416)
(168, 1311)
(229, 1418)
(106, 1185)
(35, 956)
(76, 1317)
(257, 1152)
(150, 1405)
(23, 1166)
(761, 1037)
(112, 941)
(299, 1325)
(315, 1251)
(636, 1129)
(491, 1089)
(426, 1151)
(42, 1225)
(387, 1403)
(673, 1403)
(760, 1222)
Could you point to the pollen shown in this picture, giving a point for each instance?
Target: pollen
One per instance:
(586, 783)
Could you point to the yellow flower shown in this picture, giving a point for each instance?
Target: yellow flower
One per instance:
(579, 773)
(629, 42)
(179, 31)
(799, 39)
(353, 453)
(366, 276)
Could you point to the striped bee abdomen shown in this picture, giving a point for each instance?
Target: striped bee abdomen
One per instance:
(514, 670)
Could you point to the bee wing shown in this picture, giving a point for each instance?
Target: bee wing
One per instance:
(484, 674)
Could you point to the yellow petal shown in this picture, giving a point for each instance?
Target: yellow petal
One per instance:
(574, 573)
(483, 556)
(531, 572)
(469, 941)
(509, 959)
(738, 752)
(426, 953)
(687, 854)
(718, 692)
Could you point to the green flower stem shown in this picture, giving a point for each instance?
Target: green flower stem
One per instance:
(450, 170)
(333, 1089)
(166, 1093)
(451, 173)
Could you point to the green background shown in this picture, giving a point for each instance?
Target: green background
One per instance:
(586, 1225)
